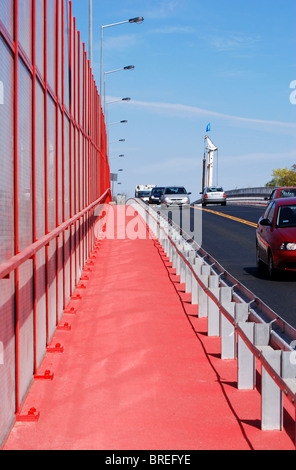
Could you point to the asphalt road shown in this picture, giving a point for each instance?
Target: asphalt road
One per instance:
(232, 243)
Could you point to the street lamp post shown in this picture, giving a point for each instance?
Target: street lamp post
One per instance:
(90, 33)
(124, 121)
(119, 140)
(138, 19)
(107, 115)
(120, 99)
(127, 67)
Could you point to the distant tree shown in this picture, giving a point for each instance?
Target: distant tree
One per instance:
(283, 177)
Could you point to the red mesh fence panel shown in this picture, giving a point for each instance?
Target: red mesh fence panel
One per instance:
(7, 343)
(54, 165)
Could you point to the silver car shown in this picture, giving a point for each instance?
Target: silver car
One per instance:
(175, 195)
(213, 195)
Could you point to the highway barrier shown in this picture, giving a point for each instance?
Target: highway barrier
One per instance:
(247, 196)
(248, 328)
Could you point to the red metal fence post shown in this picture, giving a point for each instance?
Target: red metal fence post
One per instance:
(57, 155)
(16, 206)
(34, 176)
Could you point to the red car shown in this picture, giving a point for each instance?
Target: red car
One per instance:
(276, 236)
(285, 191)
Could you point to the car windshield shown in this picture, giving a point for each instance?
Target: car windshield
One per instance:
(286, 216)
(214, 190)
(143, 193)
(157, 191)
(175, 190)
(288, 192)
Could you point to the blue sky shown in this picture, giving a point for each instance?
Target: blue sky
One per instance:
(229, 63)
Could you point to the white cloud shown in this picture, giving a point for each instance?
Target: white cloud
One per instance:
(174, 108)
(233, 41)
(174, 30)
(169, 165)
(164, 9)
(120, 42)
(275, 158)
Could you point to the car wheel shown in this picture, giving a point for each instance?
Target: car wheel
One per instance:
(271, 269)
(258, 260)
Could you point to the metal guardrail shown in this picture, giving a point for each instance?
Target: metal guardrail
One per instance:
(263, 191)
(247, 200)
(249, 196)
(248, 328)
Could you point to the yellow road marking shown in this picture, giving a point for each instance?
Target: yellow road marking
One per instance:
(237, 219)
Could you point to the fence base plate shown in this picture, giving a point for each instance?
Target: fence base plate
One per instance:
(46, 376)
(32, 416)
(56, 348)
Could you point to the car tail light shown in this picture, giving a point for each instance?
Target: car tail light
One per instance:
(224, 195)
(206, 196)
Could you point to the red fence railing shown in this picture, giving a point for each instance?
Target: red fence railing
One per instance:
(54, 174)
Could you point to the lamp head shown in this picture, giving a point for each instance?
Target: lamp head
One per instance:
(138, 19)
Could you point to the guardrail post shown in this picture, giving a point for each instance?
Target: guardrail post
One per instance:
(241, 312)
(271, 394)
(262, 335)
(178, 259)
(188, 279)
(206, 270)
(202, 297)
(163, 226)
(174, 258)
(213, 309)
(289, 376)
(197, 264)
(165, 244)
(289, 369)
(157, 227)
(194, 286)
(169, 247)
(228, 337)
(190, 254)
(182, 269)
(245, 358)
(197, 261)
(226, 294)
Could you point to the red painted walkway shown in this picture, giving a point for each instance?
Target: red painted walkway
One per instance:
(138, 371)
